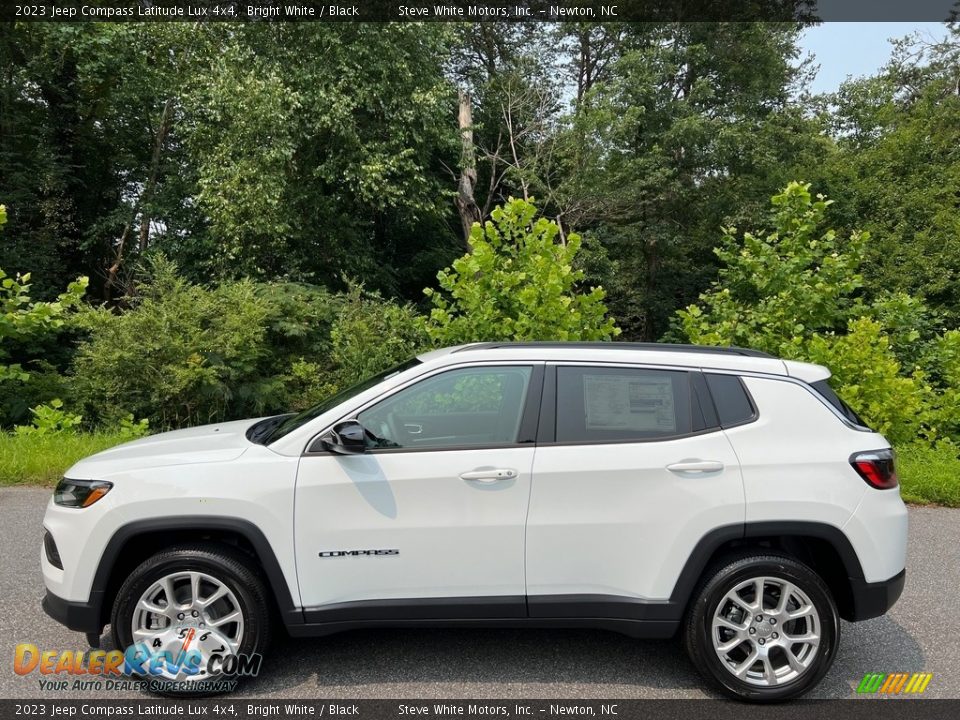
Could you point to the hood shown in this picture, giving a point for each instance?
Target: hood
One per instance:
(220, 442)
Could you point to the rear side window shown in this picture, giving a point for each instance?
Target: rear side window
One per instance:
(828, 394)
(622, 404)
(730, 399)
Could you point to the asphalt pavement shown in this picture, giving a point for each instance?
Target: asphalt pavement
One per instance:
(921, 633)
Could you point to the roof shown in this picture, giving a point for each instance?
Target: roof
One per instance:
(700, 356)
(659, 347)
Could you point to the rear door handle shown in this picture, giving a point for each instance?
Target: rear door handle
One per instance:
(489, 475)
(695, 466)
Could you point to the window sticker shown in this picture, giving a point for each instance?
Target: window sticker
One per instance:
(629, 402)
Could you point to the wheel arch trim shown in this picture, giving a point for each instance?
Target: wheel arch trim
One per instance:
(710, 543)
(290, 612)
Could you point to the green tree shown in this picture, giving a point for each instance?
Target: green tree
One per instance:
(312, 170)
(229, 149)
(24, 321)
(794, 291)
(688, 127)
(896, 171)
(517, 283)
(87, 160)
(776, 289)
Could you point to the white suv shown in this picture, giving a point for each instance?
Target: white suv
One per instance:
(646, 489)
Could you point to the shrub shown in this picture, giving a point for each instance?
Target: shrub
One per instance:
(941, 361)
(372, 334)
(50, 419)
(369, 334)
(517, 283)
(23, 321)
(185, 354)
(296, 349)
(179, 356)
(870, 378)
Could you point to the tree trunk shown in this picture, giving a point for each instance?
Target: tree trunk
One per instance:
(166, 119)
(652, 257)
(466, 200)
(165, 122)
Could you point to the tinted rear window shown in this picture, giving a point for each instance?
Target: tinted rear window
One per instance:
(730, 399)
(828, 394)
(597, 404)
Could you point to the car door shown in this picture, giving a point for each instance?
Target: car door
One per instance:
(630, 473)
(429, 521)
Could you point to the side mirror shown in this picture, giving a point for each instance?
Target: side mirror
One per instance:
(346, 438)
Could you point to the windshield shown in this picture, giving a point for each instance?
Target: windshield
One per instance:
(291, 423)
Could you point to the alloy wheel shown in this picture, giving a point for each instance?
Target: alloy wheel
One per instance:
(187, 612)
(766, 631)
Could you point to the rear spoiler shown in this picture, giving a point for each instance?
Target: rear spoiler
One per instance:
(808, 372)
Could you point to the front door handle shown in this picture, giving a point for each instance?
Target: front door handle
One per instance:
(695, 466)
(489, 475)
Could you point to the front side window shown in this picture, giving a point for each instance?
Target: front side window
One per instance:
(467, 407)
(291, 423)
(622, 404)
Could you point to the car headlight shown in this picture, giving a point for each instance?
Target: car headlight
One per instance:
(80, 493)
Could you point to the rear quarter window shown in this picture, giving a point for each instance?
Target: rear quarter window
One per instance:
(731, 400)
(827, 393)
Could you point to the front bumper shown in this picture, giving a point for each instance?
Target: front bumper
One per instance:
(871, 600)
(82, 617)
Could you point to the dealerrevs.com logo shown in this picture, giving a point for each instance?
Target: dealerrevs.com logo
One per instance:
(208, 666)
(894, 683)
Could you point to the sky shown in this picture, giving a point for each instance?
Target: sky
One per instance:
(854, 49)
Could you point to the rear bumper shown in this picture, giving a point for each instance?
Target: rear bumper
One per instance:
(79, 616)
(871, 600)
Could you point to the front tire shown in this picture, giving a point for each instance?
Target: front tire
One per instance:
(198, 599)
(763, 628)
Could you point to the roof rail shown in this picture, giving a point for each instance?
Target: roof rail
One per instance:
(610, 345)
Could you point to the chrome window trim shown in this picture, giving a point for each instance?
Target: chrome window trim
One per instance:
(580, 363)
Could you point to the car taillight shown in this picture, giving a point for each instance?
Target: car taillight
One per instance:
(876, 467)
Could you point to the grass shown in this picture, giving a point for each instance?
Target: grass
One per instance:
(927, 475)
(42, 459)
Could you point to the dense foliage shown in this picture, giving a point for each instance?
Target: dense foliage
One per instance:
(517, 283)
(23, 324)
(794, 291)
(230, 150)
(184, 353)
(258, 226)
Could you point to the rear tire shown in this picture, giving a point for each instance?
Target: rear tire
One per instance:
(217, 602)
(773, 650)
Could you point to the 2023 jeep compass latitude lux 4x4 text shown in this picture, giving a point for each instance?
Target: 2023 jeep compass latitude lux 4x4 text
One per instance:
(716, 493)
